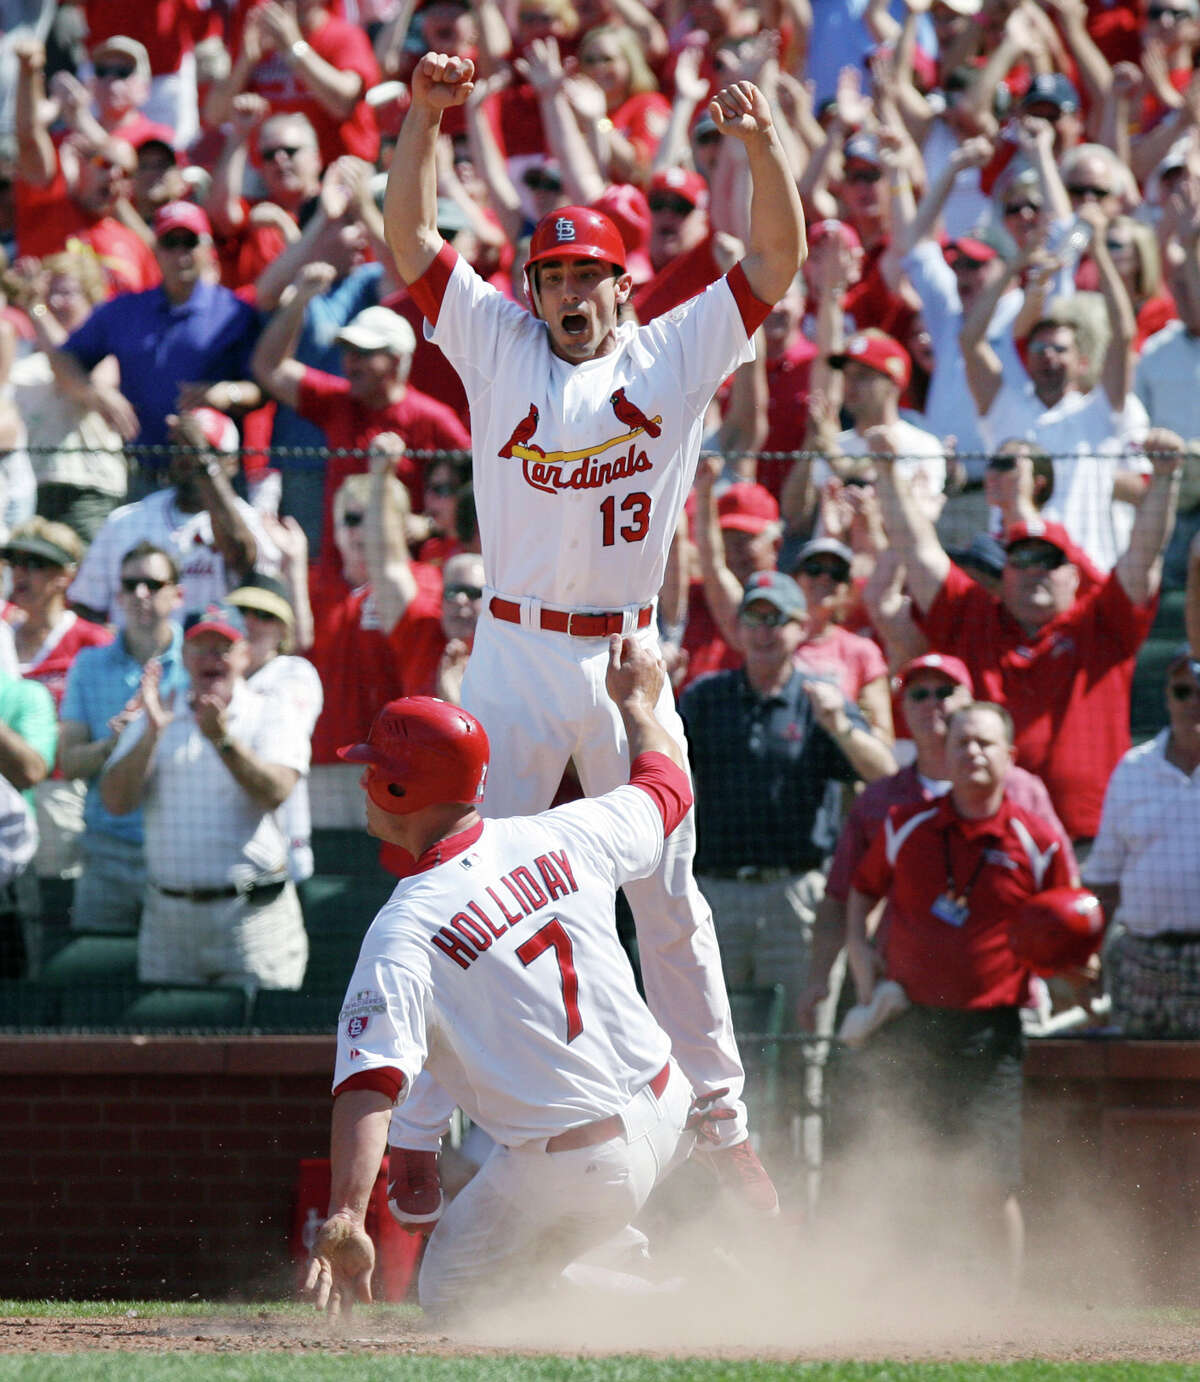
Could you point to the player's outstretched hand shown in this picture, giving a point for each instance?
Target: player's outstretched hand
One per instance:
(741, 110)
(440, 81)
(635, 673)
(339, 1270)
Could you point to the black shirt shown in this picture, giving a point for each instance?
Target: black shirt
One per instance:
(766, 774)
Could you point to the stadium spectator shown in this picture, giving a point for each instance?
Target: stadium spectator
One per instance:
(932, 688)
(770, 744)
(462, 604)
(189, 330)
(1144, 869)
(377, 627)
(305, 58)
(77, 460)
(210, 775)
(373, 397)
(158, 177)
(118, 89)
(1059, 658)
(73, 190)
(294, 686)
(612, 55)
(42, 558)
(102, 695)
(949, 1066)
(214, 537)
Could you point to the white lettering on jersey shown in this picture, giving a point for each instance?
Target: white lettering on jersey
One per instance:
(895, 838)
(1039, 860)
(471, 931)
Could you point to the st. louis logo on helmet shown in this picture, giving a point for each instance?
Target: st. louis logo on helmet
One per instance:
(564, 229)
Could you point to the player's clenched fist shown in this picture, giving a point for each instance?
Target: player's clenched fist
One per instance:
(441, 81)
(635, 672)
(741, 110)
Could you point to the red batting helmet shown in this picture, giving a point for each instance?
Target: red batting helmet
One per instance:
(423, 752)
(576, 232)
(1056, 930)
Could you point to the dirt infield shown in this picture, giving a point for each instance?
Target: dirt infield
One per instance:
(1079, 1337)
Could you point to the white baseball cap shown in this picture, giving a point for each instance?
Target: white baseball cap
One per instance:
(379, 328)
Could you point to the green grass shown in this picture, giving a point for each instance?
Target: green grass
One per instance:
(274, 1367)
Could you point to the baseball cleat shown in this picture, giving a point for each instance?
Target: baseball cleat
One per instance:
(744, 1177)
(414, 1187)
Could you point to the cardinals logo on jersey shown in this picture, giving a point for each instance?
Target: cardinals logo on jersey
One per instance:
(551, 471)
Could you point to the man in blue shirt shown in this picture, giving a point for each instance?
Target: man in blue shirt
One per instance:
(103, 694)
(187, 330)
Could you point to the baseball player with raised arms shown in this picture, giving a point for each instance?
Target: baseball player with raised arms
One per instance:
(586, 434)
(495, 966)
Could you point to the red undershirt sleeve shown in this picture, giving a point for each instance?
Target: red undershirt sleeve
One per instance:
(428, 290)
(753, 310)
(385, 1080)
(666, 784)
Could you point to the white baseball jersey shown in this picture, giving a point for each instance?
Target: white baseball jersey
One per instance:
(499, 970)
(188, 537)
(580, 470)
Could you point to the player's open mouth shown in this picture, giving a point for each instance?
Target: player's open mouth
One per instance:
(574, 323)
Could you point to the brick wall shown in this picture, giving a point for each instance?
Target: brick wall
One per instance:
(155, 1166)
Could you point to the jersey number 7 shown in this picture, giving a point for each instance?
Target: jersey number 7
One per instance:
(552, 936)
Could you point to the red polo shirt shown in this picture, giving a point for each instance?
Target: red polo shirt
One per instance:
(423, 422)
(1066, 686)
(361, 667)
(998, 862)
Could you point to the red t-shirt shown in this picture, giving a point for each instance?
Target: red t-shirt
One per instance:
(166, 28)
(997, 863)
(1067, 686)
(52, 666)
(362, 668)
(870, 302)
(425, 425)
(847, 658)
(787, 410)
(346, 47)
(643, 120)
(431, 372)
(47, 217)
(706, 650)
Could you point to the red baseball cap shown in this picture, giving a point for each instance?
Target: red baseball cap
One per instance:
(881, 353)
(820, 229)
(966, 248)
(156, 134)
(747, 508)
(951, 667)
(683, 183)
(181, 216)
(220, 431)
(1040, 530)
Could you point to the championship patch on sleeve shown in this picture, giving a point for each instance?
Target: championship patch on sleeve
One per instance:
(358, 1010)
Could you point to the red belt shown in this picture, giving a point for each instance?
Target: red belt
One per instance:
(603, 1129)
(577, 625)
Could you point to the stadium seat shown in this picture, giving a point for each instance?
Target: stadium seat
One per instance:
(26, 1004)
(91, 960)
(184, 1007)
(97, 1005)
(276, 1010)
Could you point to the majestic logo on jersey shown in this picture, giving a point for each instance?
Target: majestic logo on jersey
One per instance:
(551, 471)
(564, 229)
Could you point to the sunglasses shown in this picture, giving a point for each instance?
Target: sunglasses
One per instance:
(1002, 464)
(1016, 208)
(178, 240)
(29, 561)
(472, 592)
(834, 569)
(917, 694)
(708, 137)
(132, 584)
(291, 150)
(542, 182)
(443, 491)
(764, 619)
(1037, 559)
(680, 206)
(1087, 189)
(352, 519)
(112, 72)
(1181, 691)
(1118, 246)
(864, 175)
(1049, 348)
(1157, 13)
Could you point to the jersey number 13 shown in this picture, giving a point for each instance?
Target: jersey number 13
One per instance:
(635, 508)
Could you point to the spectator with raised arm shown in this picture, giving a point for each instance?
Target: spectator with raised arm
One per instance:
(1060, 660)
